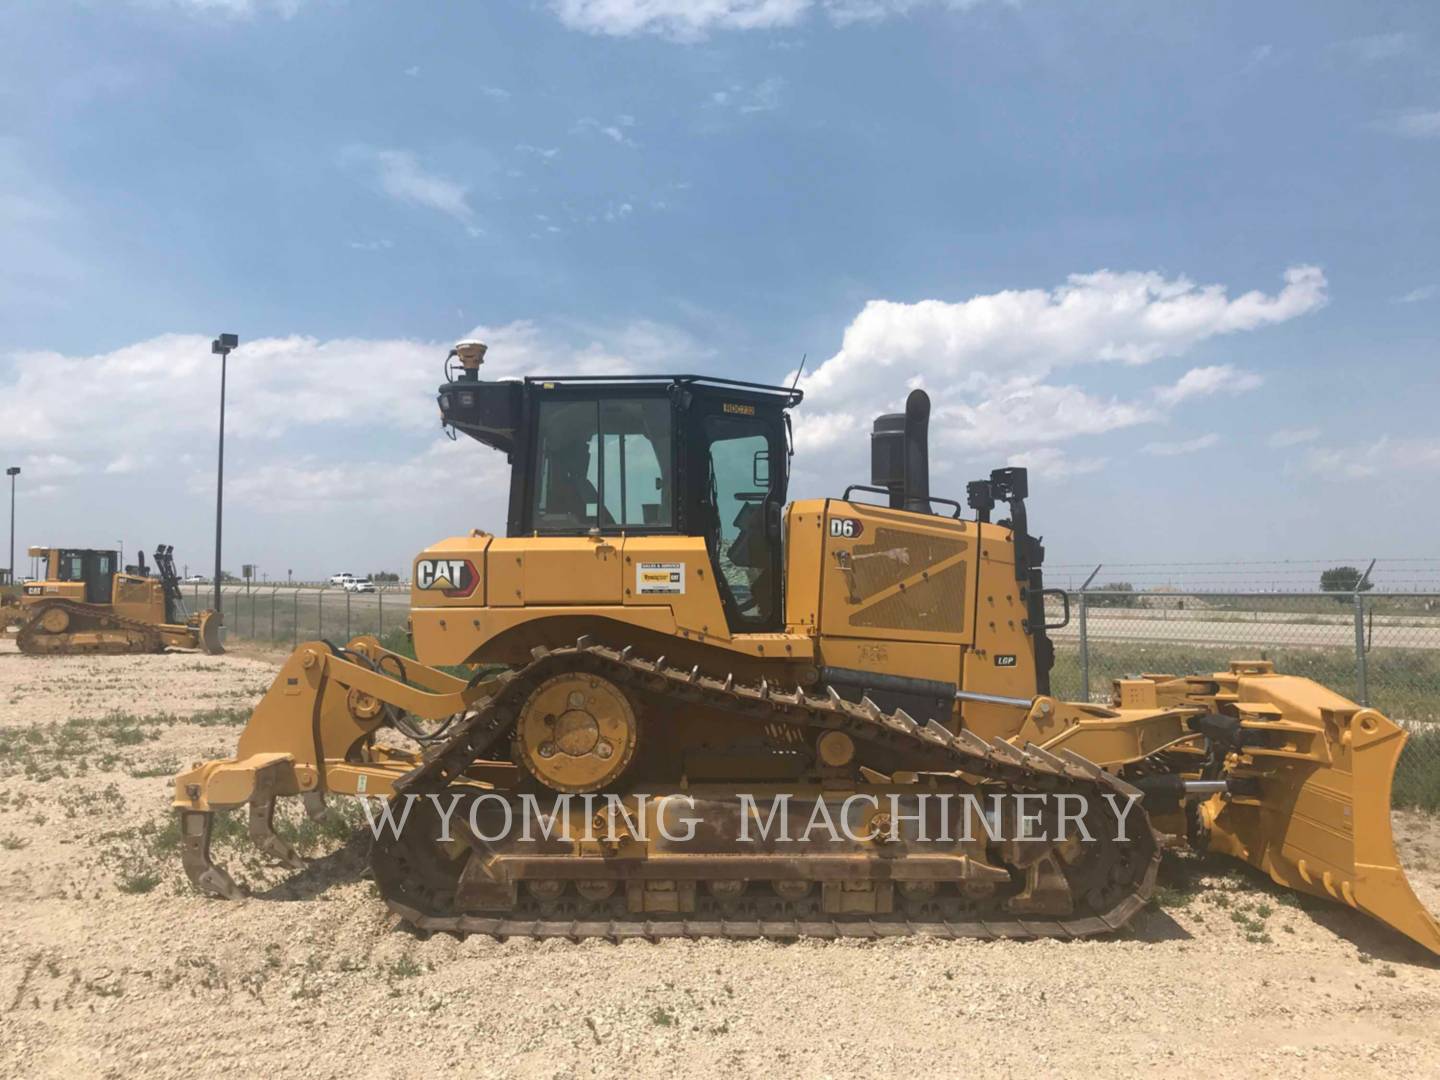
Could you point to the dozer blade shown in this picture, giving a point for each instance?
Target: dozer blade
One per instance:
(1320, 822)
(209, 633)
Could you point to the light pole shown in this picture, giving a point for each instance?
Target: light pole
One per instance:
(12, 472)
(221, 347)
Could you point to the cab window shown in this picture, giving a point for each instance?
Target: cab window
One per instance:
(603, 464)
(740, 489)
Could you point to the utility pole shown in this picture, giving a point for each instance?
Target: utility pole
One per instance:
(12, 472)
(221, 347)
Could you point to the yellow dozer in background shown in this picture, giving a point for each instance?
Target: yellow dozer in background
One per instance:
(86, 603)
(658, 636)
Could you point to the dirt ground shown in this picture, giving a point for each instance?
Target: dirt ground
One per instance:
(111, 966)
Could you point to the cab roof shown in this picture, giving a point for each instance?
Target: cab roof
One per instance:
(788, 396)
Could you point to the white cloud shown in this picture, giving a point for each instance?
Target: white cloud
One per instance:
(1293, 436)
(235, 9)
(1413, 124)
(1132, 318)
(615, 131)
(1374, 48)
(154, 397)
(763, 96)
(372, 245)
(1204, 381)
(307, 484)
(1383, 455)
(347, 427)
(54, 466)
(983, 360)
(399, 174)
(544, 153)
(1174, 449)
(1051, 463)
(683, 20)
(989, 364)
(691, 20)
(1027, 413)
(1415, 296)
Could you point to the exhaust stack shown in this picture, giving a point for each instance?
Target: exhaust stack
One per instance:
(900, 454)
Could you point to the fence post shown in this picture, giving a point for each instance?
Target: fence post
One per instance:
(273, 593)
(320, 618)
(1362, 689)
(295, 625)
(348, 594)
(254, 599)
(380, 600)
(1085, 639)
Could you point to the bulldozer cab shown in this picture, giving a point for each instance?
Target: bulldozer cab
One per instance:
(93, 569)
(650, 455)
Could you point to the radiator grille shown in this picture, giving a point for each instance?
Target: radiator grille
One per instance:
(935, 603)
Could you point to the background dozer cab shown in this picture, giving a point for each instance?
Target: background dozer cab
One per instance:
(86, 603)
(666, 628)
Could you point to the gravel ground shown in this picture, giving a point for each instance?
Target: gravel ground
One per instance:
(110, 966)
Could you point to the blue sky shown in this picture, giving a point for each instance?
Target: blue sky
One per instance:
(1182, 263)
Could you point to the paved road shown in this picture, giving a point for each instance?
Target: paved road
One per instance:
(1269, 629)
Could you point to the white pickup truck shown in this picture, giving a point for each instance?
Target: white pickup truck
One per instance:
(344, 578)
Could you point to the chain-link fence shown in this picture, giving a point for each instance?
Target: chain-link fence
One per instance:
(287, 615)
(1379, 649)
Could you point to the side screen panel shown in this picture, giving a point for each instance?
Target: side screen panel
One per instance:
(897, 576)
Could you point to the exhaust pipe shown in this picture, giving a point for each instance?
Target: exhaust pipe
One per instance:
(917, 452)
(900, 454)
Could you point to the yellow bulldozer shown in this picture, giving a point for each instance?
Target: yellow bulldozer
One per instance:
(86, 603)
(698, 711)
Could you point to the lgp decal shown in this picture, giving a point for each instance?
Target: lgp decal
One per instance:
(452, 577)
(1005, 659)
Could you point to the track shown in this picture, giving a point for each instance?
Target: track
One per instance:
(1109, 884)
(140, 637)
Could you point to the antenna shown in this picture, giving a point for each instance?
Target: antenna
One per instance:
(799, 370)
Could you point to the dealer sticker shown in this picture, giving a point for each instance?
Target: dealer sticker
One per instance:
(659, 577)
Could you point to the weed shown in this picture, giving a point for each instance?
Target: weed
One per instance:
(141, 881)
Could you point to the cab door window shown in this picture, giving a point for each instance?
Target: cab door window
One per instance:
(746, 552)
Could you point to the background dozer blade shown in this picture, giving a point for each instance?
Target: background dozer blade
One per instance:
(1320, 822)
(209, 633)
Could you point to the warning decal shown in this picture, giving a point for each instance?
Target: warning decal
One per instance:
(659, 577)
